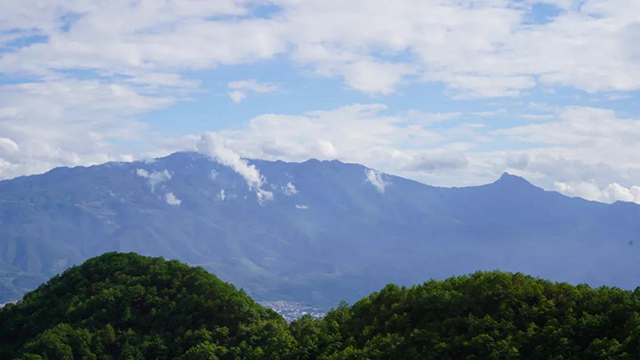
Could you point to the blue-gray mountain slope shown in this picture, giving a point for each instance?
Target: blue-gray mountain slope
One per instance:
(336, 236)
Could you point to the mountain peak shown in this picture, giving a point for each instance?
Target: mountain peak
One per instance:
(507, 179)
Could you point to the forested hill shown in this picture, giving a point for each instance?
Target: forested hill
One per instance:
(125, 306)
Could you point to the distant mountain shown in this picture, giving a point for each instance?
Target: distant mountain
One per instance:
(332, 231)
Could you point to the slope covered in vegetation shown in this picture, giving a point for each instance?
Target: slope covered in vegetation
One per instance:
(486, 315)
(125, 306)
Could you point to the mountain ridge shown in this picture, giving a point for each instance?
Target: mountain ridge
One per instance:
(330, 228)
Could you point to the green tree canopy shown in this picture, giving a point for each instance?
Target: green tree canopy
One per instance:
(129, 306)
(126, 306)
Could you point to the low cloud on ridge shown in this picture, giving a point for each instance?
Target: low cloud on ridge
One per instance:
(376, 179)
(154, 178)
(214, 145)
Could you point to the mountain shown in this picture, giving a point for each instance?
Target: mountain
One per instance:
(126, 306)
(333, 231)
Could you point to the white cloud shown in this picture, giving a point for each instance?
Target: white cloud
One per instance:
(155, 177)
(615, 192)
(590, 191)
(172, 199)
(484, 50)
(591, 129)
(241, 88)
(490, 113)
(214, 146)
(253, 85)
(536, 116)
(222, 195)
(8, 145)
(237, 96)
(132, 38)
(264, 196)
(67, 122)
(82, 90)
(576, 145)
(464, 86)
(376, 179)
(301, 207)
(377, 78)
(290, 189)
(356, 133)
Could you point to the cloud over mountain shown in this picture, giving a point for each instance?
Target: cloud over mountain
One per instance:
(213, 145)
(446, 92)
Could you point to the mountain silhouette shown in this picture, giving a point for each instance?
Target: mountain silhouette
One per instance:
(332, 231)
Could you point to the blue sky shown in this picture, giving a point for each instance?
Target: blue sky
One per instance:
(446, 92)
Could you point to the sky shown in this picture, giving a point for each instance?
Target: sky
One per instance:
(446, 92)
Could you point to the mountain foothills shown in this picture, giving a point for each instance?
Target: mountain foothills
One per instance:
(315, 232)
(126, 306)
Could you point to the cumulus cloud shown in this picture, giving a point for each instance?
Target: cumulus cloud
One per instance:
(590, 191)
(376, 78)
(354, 133)
(377, 179)
(214, 146)
(66, 122)
(486, 50)
(83, 87)
(222, 195)
(155, 177)
(616, 192)
(301, 207)
(575, 146)
(172, 199)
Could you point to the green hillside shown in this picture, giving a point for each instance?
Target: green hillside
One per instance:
(487, 315)
(126, 306)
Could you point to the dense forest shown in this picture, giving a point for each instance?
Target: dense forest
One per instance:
(126, 306)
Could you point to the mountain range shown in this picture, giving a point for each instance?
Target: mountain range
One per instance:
(315, 232)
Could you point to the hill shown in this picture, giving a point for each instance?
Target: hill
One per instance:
(486, 315)
(132, 307)
(331, 231)
(125, 306)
